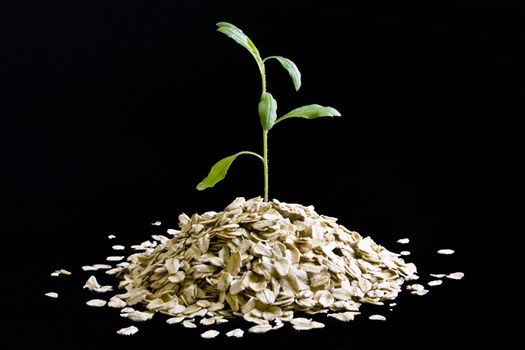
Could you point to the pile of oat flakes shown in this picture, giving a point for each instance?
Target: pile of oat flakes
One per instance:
(263, 261)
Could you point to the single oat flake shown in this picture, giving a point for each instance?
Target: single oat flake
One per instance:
(403, 241)
(210, 334)
(445, 251)
(377, 318)
(435, 283)
(57, 273)
(237, 333)
(115, 258)
(128, 330)
(456, 275)
(96, 302)
(52, 295)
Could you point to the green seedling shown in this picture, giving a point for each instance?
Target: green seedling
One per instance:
(267, 108)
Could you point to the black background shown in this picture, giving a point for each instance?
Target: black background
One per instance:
(113, 112)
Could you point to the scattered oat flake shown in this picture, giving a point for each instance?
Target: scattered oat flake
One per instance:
(188, 324)
(112, 236)
(156, 223)
(435, 283)
(238, 333)
(404, 253)
(456, 275)
(57, 273)
(207, 321)
(116, 302)
(89, 268)
(114, 258)
(303, 324)
(177, 319)
(438, 275)
(419, 292)
(91, 283)
(415, 287)
(392, 304)
(96, 302)
(344, 316)
(128, 330)
(377, 318)
(446, 251)
(118, 247)
(261, 328)
(52, 295)
(140, 316)
(103, 289)
(210, 334)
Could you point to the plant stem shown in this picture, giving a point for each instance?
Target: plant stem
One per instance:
(265, 160)
(265, 138)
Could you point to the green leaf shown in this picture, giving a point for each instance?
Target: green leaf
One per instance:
(310, 112)
(292, 69)
(219, 170)
(241, 38)
(267, 110)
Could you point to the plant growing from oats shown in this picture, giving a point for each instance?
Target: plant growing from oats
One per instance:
(267, 108)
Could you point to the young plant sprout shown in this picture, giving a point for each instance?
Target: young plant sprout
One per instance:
(267, 108)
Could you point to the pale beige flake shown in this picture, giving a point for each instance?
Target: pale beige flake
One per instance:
(446, 251)
(303, 324)
(344, 316)
(112, 237)
(419, 292)
(102, 266)
(237, 333)
(92, 283)
(156, 223)
(128, 330)
(103, 289)
(89, 268)
(51, 295)
(403, 241)
(140, 316)
(96, 302)
(116, 302)
(456, 275)
(96, 267)
(176, 319)
(438, 275)
(404, 253)
(188, 324)
(115, 258)
(207, 321)
(415, 287)
(118, 247)
(210, 334)
(261, 328)
(57, 273)
(435, 283)
(377, 318)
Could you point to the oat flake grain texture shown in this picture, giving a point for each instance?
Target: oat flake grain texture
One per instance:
(112, 112)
